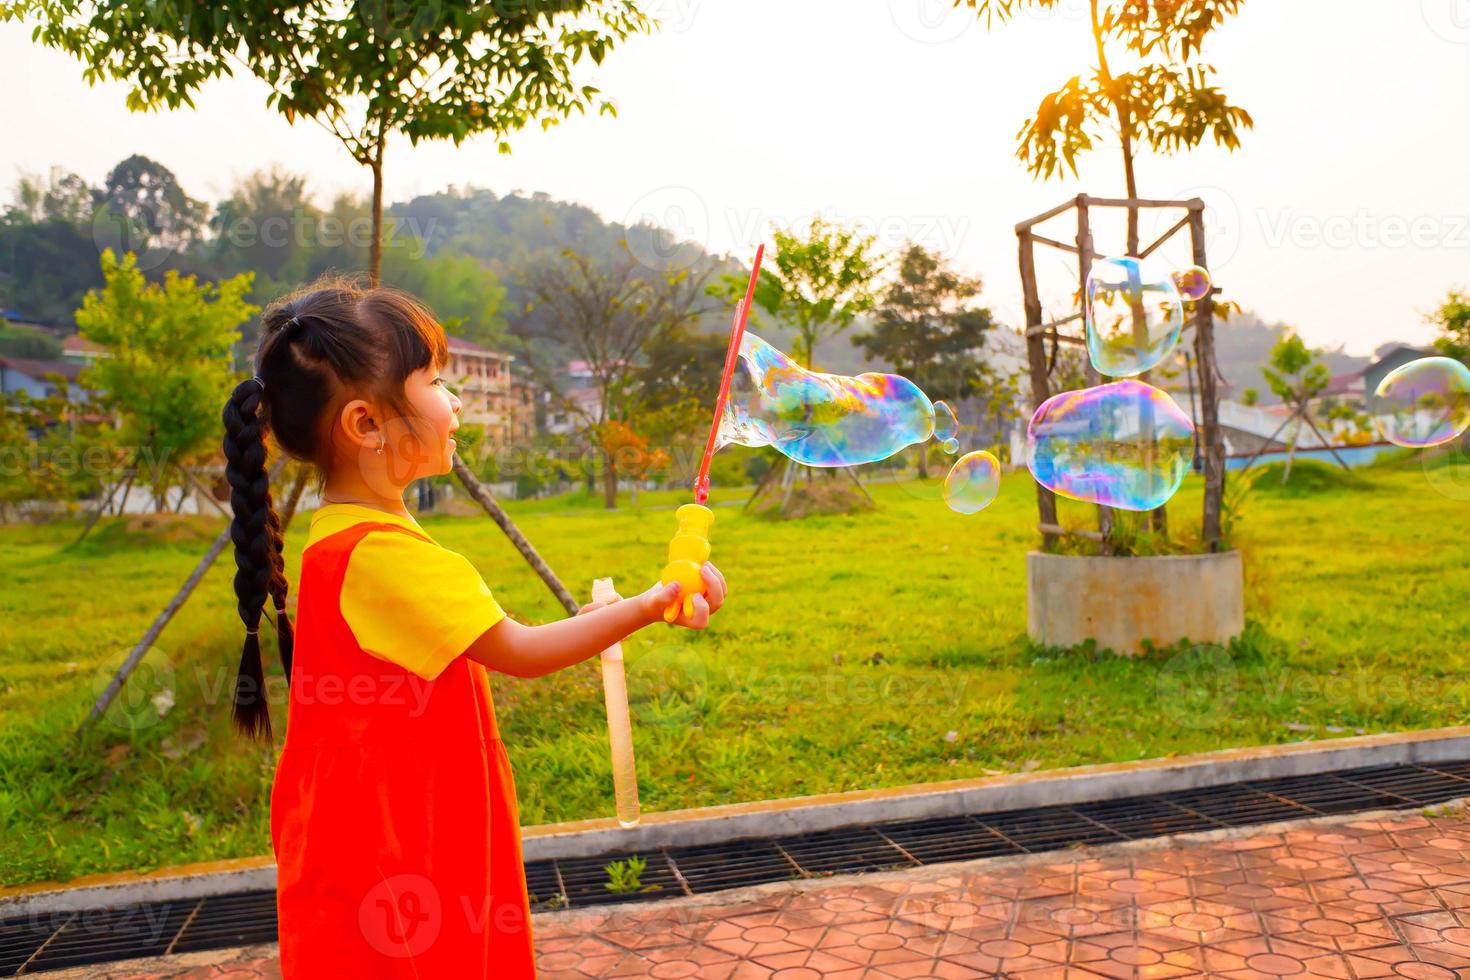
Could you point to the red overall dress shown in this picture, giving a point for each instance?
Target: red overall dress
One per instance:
(393, 812)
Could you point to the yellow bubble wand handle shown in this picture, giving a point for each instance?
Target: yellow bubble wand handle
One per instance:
(688, 550)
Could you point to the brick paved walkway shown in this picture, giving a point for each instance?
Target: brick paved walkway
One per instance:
(1346, 897)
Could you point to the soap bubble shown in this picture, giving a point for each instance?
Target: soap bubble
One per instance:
(950, 446)
(1125, 444)
(946, 424)
(972, 483)
(1423, 403)
(821, 419)
(1133, 317)
(1193, 283)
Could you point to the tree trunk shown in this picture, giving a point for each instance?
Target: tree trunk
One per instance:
(375, 251)
(923, 461)
(609, 484)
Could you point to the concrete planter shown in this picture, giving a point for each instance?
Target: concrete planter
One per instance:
(1120, 602)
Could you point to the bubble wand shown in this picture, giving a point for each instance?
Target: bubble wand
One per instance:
(690, 545)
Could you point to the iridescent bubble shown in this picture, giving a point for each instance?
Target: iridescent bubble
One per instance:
(821, 419)
(1423, 403)
(950, 446)
(1193, 283)
(946, 424)
(1125, 444)
(972, 483)
(1133, 317)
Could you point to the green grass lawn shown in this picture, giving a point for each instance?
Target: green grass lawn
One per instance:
(874, 650)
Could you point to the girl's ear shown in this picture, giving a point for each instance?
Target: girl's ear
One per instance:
(358, 423)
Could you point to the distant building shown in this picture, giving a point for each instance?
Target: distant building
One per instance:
(523, 423)
(1390, 356)
(483, 378)
(568, 412)
(81, 350)
(23, 374)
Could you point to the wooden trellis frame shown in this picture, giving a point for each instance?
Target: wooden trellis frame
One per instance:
(1212, 450)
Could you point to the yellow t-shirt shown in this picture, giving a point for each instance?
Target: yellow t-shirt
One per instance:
(408, 601)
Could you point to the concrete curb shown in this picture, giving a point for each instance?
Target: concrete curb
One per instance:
(799, 815)
(683, 828)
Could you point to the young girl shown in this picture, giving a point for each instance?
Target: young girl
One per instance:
(393, 812)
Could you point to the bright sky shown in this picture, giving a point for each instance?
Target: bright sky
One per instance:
(1346, 213)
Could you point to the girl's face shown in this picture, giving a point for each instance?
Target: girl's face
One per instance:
(383, 457)
(427, 448)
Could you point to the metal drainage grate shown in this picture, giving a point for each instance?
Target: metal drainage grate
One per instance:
(35, 944)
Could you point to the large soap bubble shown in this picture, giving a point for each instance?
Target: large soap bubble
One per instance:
(1423, 403)
(972, 483)
(1134, 316)
(1125, 444)
(821, 419)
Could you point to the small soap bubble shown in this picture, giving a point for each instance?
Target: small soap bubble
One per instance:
(1193, 283)
(972, 483)
(950, 446)
(946, 424)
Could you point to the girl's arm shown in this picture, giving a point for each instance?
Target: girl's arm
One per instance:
(533, 651)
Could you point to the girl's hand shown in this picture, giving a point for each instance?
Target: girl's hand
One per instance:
(660, 597)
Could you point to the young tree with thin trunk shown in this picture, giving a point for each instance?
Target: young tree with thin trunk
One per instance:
(1164, 99)
(1296, 376)
(169, 366)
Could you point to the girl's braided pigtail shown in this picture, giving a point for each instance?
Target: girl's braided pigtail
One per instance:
(256, 532)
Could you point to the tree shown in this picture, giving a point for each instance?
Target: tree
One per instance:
(1296, 376)
(27, 342)
(463, 293)
(170, 366)
(47, 262)
(262, 227)
(602, 312)
(673, 389)
(925, 326)
(60, 196)
(143, 201)
(444, 69)
(998, 397)
(1453, 320)
(1167, 100)
(47, 452)
(817, 283)
(627, 453)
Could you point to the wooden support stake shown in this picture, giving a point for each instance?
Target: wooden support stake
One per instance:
(1046, 501)
(619, 725)
(1211, 445)
(497, 514)
(162, 620)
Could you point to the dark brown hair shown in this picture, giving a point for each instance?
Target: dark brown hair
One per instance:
(319, 348)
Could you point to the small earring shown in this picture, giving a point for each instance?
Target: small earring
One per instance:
(380, 449)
